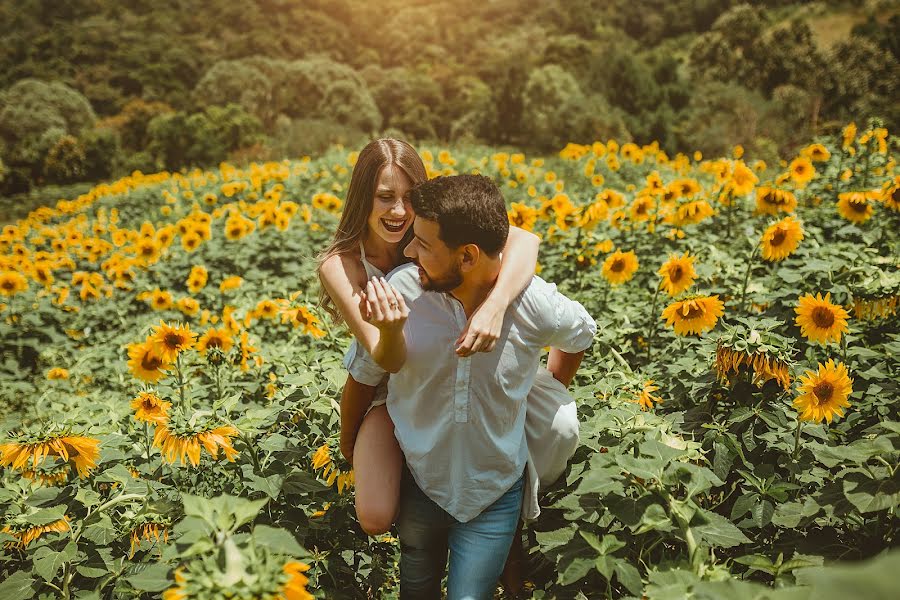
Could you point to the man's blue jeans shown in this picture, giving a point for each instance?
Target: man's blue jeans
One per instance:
(478, 548)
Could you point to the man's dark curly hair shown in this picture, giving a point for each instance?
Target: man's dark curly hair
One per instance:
(469, 209)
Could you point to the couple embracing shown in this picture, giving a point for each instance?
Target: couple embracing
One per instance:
(447, 417)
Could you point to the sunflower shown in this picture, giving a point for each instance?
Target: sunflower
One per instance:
(820, 320)
(188, 306)
(522, 216)
(150, 408)
(146, 363)
(12, 282)
(53, 476)
(855, 206)
(187, 445)
(781, 239)
(231, 283)
(742, 179)
(29, 533)
(816, 153)
(869, 309)
(215, 338)
(824, 394)
(890, 194)
(302, 317)
(691, 213)
(295, 587)
(802, 171)
(58, 373)
(640, 208)
(694, 315)
(764, 367)
(771, 201)
(81, 450)
(593, 214)
(848, 135)
(153, 530)
(620, 267)
(266, 309)
(169, 341)
(677, 273)
(645, 397)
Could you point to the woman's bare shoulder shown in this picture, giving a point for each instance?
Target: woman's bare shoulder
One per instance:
(339, 270)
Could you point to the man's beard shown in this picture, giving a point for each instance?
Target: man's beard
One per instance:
(451, 280)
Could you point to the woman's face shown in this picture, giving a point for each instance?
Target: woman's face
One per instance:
(391, 213)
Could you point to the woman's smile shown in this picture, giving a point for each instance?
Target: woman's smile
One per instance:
(395, 225)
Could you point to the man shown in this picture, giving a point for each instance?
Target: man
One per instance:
(460, 421)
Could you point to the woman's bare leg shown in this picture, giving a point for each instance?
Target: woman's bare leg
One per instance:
(377, 465)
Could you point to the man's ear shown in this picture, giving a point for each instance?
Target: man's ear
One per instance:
(469, 256)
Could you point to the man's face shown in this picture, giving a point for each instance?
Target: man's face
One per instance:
(439, 268)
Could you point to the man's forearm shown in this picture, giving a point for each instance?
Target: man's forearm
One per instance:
(355, 399)
(563, 365)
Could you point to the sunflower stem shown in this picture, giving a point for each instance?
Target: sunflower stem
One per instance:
(797, 439)
(730, 206)
(651, 325)
(747, 277)
(147, 439)
(844, 347)
(180, 381)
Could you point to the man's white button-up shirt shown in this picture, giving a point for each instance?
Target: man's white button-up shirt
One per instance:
(461, 421)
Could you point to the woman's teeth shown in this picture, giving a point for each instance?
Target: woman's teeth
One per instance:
(393, 226)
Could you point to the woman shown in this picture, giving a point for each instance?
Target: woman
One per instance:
(375, 226)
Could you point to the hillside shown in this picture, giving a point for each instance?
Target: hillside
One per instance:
(177, 83)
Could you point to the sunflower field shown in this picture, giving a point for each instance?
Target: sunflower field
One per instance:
(169, 401)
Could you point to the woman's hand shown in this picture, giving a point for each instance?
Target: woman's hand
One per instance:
(482, 330)
(385, 307)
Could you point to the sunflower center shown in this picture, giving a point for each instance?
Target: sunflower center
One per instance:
(173, 340)
(675, 273)
(214, 342)
(693, 312)
(7, 285)
(641, 209)
(778, 238)
(823, 317)
(859, 207)
(618, 266)
(823, 391)
(895, 196)
(150, 362)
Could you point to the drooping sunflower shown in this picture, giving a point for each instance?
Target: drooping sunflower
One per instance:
(848, 135)
(187, 445)
(771, 201)
(645, 397)
(28, 533)
(169, 341)
(302, 317)
(146, 363)
(764, 367)
(781, 239)
(149, 531)
(677, 273)
(855, 206)
(694, 315)
(620, 267)
(215, 338)
(150, 408)
(824, 393)
(820, 320)
(691, 213)
(802, 171)
(81, 450)
(641, 208)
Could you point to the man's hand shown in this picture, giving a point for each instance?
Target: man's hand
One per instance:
(482, 330)
(385, 307)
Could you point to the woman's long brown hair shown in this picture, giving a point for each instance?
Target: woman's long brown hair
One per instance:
(358, 205)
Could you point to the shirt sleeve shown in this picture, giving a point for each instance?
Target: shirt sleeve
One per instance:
(573, 328)
(361, 366)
